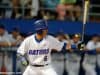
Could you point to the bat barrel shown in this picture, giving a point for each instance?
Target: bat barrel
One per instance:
(85, 14)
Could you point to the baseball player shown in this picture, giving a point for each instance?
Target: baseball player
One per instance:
(98, 56)
(73, 58)
(37, 48)
(89, 62)
(58, 57)
(5, 42)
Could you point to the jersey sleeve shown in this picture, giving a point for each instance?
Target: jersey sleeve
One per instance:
(23, 47)
(98, 45)
(90, 46)
(56, 44)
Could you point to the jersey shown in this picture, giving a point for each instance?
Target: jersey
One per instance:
(16, 40)
(91, 45)
(72, 42)
(98, 45)
(39, 52)
(5, 37)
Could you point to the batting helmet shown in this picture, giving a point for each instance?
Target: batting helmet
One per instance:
(77, 35)
(40, 25)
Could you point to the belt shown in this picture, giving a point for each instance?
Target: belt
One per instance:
(36, 65)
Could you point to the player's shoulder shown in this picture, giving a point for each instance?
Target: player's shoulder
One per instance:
(98, 45)
(29, 37)
(50, 37)
(90, 42)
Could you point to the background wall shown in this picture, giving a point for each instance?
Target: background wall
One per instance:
(54, 26)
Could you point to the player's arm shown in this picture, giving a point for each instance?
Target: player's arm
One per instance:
(93, 51)
(23, 47)
(89, 49)
(57, 45)
(22, 59)
(98, 47)
(5, 44)
(22, 50)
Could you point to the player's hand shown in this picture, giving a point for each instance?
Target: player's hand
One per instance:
(98, 50)
(81, 46)
(68, 47)
(24, 63)
(22, 59)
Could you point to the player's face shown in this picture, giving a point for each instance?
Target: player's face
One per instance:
(44, 32)
(2, 31)
(76, 39)
(96, 39)
(60, 38)
(15, 34)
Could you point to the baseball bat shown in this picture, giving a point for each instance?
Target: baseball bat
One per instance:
(85, 14)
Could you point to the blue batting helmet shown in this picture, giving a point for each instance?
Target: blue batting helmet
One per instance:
(40, 25)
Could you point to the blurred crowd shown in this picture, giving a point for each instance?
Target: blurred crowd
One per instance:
(13, 39)
(61, 61)
(70, 10)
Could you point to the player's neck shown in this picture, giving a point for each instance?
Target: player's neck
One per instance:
(39, 37)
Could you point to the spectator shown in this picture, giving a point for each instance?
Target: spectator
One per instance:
(4, 6)
(45, 14)
(41, 14)
(15, 37)
(31, 8)
(89, 62)
(58, 57)
(50, 4)
(73, 63)
(5, 42)
(27, 13)
(4, 37)
(23, 36)
(73, 9)
(61, 11)
(2, 13)
(68, 1)
(77, 13)
(5, 1)
(98, 56)
(62, 37)
(35, 7)
(15, 12)
(69, 12)
(69, 15)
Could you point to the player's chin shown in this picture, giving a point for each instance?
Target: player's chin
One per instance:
(45, 32)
